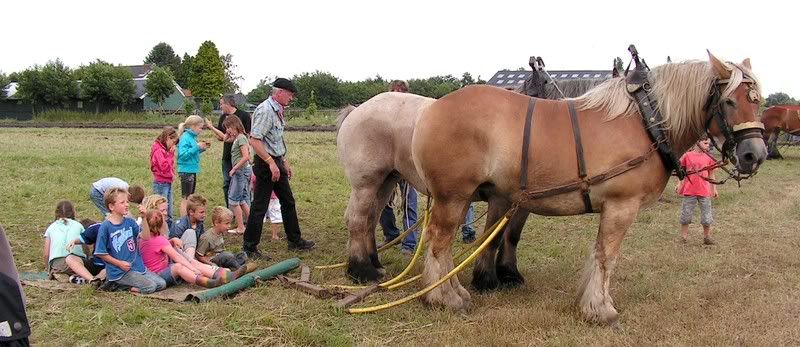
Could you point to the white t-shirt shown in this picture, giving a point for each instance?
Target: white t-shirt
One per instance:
(108, 183)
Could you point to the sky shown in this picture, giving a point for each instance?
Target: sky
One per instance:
(407, 39)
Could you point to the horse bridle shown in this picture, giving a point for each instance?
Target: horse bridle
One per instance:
(716, 107)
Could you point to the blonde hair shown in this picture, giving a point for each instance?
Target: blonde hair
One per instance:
(151, 202)
(189, 122)
(195, 201)
(220, 213)
(110, 195)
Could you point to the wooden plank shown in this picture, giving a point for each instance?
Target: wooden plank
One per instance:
(305, 273)
(310, 288)
(356, 297)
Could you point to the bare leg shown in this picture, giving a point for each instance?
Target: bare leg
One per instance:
(183, 208)
(275, 227)
(594, 299)
(245, 213)
(75, 263)
(237, 215)
(445, 219)
(685, 232)
(707, 231)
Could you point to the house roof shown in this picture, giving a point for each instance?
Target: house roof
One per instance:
(139, 71)
(510, 79)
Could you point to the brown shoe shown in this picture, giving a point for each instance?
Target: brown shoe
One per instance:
(708, 241)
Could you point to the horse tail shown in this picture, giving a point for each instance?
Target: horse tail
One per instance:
(342, 115)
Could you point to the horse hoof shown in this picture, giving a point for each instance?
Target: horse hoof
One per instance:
(363, 272)
(509, 277)
(485, 283)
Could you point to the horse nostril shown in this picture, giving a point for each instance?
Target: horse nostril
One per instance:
(749, 157)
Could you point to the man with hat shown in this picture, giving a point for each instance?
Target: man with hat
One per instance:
(272, 171)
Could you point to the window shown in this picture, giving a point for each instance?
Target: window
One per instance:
(499, 75)
(520, 81)
(522, 75)
(597, 75)
(574, 75)
(563, 75)
(510, 81)
(500, 81)
(586, 75)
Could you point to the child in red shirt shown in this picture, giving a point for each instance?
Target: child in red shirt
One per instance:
(694, 188)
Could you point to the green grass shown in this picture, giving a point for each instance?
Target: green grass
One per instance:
(746, 290)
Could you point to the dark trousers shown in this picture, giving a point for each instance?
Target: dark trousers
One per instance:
(261, 195)
(226, 180)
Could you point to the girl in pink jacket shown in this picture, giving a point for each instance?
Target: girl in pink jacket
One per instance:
(162, 164)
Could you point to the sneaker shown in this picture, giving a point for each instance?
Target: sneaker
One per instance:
(76, 279)
(256, 255)
(96, 283)
(708, 241)
(469, 239)
(303, 245)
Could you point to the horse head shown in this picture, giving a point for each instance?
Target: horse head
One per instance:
(733, 114)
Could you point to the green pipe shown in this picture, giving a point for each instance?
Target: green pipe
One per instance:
(245, 281)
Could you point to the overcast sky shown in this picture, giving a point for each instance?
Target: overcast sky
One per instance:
(407, 39)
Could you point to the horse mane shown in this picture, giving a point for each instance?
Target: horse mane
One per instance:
(680, 89)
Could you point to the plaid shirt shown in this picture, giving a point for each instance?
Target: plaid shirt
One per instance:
(268, 127)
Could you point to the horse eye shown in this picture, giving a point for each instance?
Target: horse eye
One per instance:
(730, 103)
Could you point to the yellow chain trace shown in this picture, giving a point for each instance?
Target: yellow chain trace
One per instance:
(416, 256)
(498, 227)
(391, 244)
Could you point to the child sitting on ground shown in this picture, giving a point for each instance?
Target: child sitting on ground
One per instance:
(99, 188)
(211, 247)
(118, 246)
(58, 257)
(694, 188)
(187, 230)
(159, 257)
(88, 237)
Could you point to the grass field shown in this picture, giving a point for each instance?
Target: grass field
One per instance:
(744, 291)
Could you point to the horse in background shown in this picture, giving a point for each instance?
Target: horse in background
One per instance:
(459, 158)
(373, 142)
(777, 119)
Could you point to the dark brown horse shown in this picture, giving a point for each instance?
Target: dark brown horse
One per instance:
(468, 144)
(777, 119)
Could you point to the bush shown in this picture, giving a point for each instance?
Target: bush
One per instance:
(207, 108)
(188, 106)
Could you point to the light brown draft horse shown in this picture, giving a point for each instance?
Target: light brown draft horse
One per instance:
(777, 119)
(468, 143)
(374, 147)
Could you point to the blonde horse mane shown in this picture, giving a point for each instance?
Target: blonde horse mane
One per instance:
(680, 89)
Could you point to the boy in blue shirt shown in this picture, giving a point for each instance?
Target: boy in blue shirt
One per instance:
(118, 246)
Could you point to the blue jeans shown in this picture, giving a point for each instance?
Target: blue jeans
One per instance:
(97, 198)
(239, 187)
(165, 190)
(147, 283)
(468, 230)
(387, 221)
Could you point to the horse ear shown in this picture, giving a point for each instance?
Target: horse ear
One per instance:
(719, 66)
(746, 63)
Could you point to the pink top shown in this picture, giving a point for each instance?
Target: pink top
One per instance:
(162, 163)
(273, 195)
(694, 185)
(152, 253)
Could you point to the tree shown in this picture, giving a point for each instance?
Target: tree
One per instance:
(231, 84)
(434, 87)
(163, 55)
(208, 72)
(159, 85)
(325, 86)
(779, 98)
(52, 84)
(311, 109)
(101, 81)
(354, 93)
(466, 79)
(4, 81)
(184, 71)
(188, 106)
(207, 108)
(260, 92)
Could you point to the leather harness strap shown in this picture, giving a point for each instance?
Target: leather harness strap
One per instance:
(526, 140)
(576, 131)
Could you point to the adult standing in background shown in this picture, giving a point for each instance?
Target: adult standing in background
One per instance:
(272, 171)
(227, 104)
